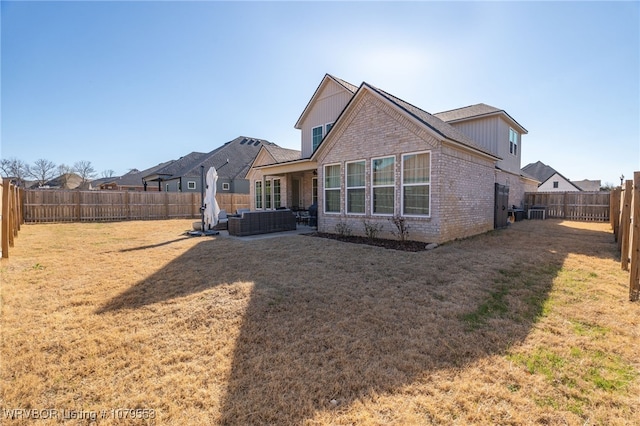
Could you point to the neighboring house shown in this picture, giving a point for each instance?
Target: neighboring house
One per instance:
(367, 155)
(64, 181)
(131, 181)
(588, 185)
(550, 179)
(231, 160)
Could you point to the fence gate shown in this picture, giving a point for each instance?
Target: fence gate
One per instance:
(501, 206)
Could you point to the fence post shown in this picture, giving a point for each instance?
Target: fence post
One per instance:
(614, 211)
(625, 224)
(166, 205)
(634, 276)
(5, 217)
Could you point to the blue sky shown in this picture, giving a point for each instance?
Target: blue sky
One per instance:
(133, 84)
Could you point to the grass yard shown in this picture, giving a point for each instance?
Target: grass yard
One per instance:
(529, 325)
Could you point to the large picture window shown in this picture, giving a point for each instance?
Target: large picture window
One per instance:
(332, 188)
(258, 194)
(383, 185)
(355, 187)
(416, 181)
(316, 136)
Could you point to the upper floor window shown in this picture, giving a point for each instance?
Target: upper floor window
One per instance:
(555, 183)
(383, 185)
(191, 184)
(327, 127)
(513, 142)
(316, 136)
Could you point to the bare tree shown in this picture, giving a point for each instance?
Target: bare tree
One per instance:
(63, 174)
(42, 170)
(108, 173)
(15, 169)
(85, 170)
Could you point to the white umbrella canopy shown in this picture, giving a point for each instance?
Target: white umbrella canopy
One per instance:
(211, 208)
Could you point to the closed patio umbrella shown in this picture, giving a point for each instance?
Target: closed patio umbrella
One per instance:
(211, 208)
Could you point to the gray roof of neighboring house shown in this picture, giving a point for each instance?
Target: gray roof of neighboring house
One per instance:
(472, 111)
(588, 185)
(231, 160)
(542, 172)
(539, 170)
(132, 178)
(433, 122)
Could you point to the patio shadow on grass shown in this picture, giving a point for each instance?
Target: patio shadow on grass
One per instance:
(330, 321)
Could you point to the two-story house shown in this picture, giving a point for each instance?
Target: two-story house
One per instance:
(368, 156)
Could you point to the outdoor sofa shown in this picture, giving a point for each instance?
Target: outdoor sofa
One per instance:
(262, 222)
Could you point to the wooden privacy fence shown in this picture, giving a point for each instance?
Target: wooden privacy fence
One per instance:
(578, 205)
(11, 210)
(625, 221)
(42, 206)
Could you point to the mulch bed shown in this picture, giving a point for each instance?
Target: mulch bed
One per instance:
(379, 242)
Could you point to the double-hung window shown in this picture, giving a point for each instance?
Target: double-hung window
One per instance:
(513, 142)
(316, 137)
(355, 187)
(258, 194)
(416, 181)
(276, 193)
(332, 188)
(314, 191)
(383, 185)
(267, 194)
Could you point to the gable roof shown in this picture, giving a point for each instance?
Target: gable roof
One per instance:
(231, 160)
(588, 185)
(327, 77)
(434, 123)
(543, 173)
(475, 111)
(539, 170)
(132, 178)
(283, 155)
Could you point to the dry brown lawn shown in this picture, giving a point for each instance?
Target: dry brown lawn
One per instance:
(529, 325)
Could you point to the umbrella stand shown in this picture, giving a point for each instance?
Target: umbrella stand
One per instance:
(202, 231)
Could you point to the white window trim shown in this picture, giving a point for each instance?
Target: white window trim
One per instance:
(191, 184)
(347, 188)
(225, 186)
(324, 189)
(384, 186)
(402, 185)
(166, 187)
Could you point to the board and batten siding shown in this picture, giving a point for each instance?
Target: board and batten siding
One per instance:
(492, 133)
(329, 104)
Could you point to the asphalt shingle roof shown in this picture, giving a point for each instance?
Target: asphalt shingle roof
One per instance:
(432, 121)
(283, 155)
(539, 170)
(467, 112)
